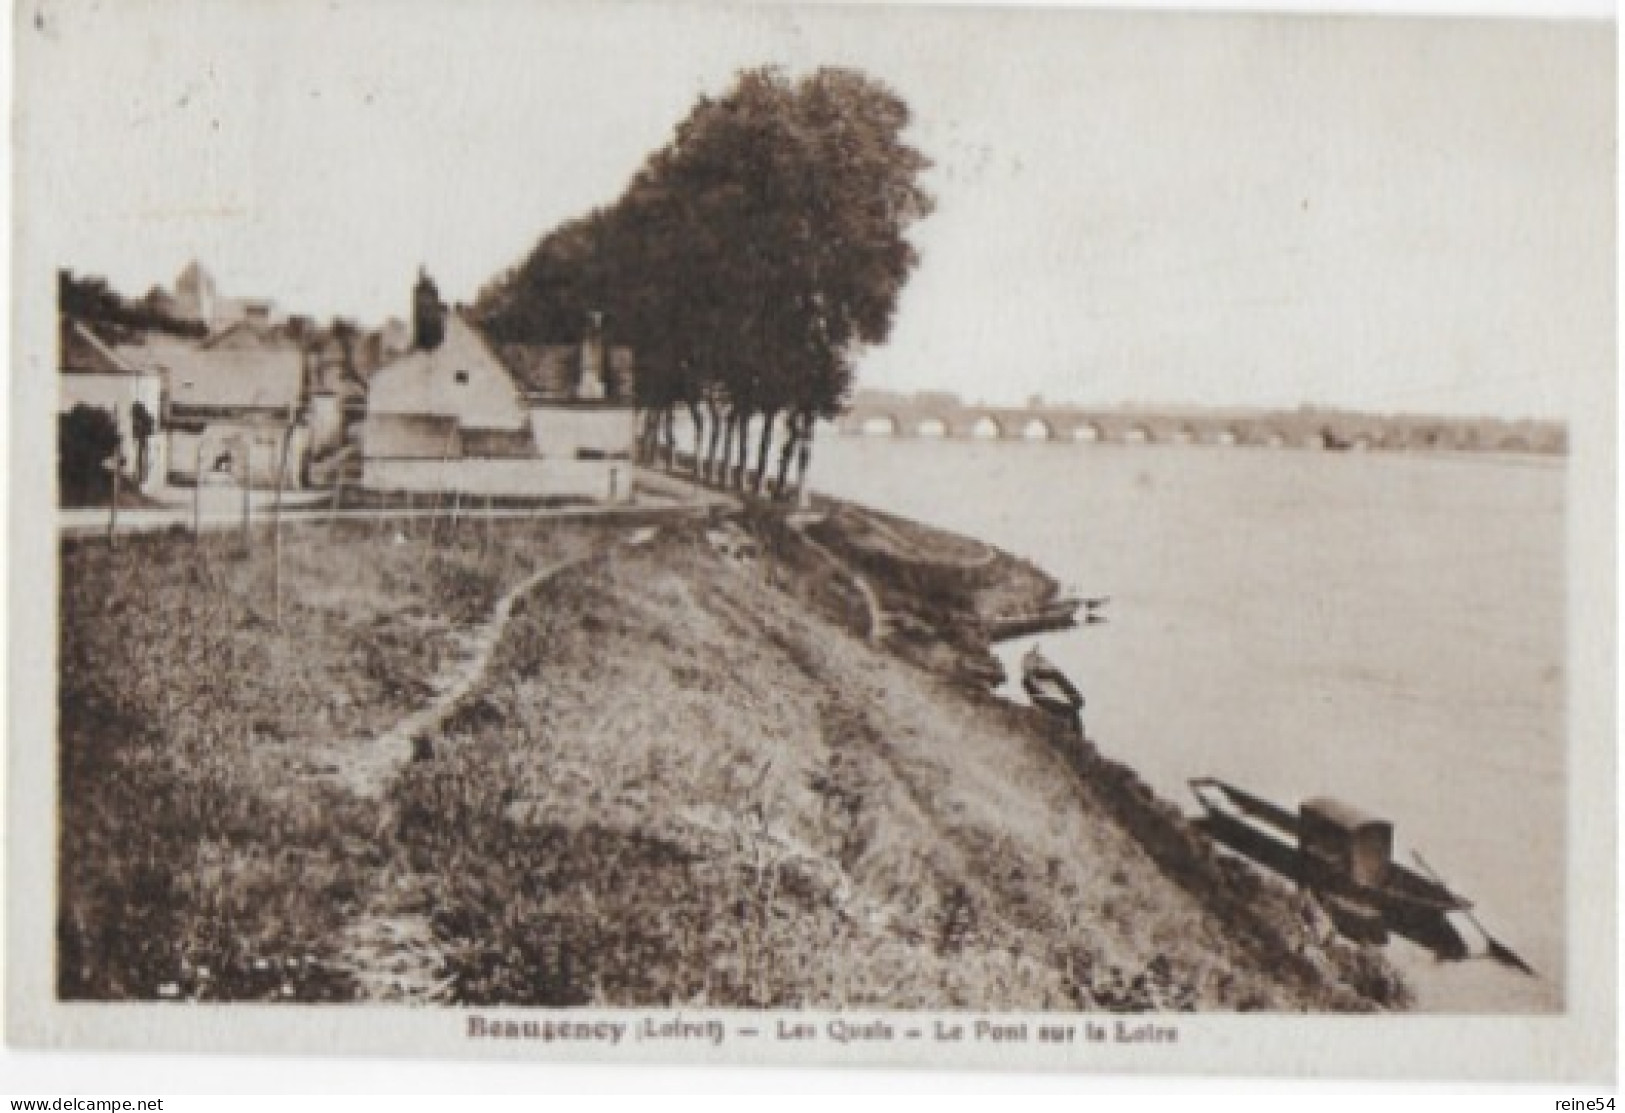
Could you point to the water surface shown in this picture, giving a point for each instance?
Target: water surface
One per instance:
(1386, 628)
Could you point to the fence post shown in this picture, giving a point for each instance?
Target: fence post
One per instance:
(440, 492)
(338, 499)
(276, 528)
(197, 489)
(112, 507)
(248, 479)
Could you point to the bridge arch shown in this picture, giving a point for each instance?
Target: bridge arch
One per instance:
(1138, 433)
(1088, 433)
(1037, 429)
(1226, 438)
(879, 425)
(986, 428)
(1184, 434)
(931, 427)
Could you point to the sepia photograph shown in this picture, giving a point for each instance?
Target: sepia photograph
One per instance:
(1056, 538)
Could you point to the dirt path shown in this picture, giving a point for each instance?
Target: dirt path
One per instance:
(365, 767)
(394, 957)
(390, 948)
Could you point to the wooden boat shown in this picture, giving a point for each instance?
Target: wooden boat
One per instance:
(1345, 857)
(1059, 613)
(1048, 687)
(981, 668)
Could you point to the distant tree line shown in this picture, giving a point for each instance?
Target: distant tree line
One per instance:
(748, 264)
(113, 317)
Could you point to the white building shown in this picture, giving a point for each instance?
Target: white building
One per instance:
(451, 415)
(93, 374)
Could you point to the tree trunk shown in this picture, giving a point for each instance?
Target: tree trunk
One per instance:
(804, 459)
(651, 438)
(715, 444)
(730, 429)
(763, 448)
(743, 450)
(668, 427)
(697, 417)
(792, 440)
(646, 437)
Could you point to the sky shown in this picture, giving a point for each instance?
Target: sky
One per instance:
(1391, 214)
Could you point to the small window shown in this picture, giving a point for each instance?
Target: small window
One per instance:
(462, 378)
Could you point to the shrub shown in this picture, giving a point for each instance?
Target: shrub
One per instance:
(87, 437)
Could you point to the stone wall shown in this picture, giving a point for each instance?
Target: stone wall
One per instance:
(598, 480)
(223, 443)
(562, 432)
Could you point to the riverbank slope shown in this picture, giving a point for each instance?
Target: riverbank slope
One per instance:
(688, 775)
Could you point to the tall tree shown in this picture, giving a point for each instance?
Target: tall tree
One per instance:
(809, 188)
(749, 263)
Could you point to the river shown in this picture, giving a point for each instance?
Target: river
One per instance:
(1384, 628)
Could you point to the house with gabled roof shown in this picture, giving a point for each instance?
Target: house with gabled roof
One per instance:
(459, 377)
(230, 402)
(94, 373)
(579, 396)
(543, 421)
(242, 373)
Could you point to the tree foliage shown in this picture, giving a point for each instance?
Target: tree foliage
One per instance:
(749, 262)
(113, 317)
(87, 438)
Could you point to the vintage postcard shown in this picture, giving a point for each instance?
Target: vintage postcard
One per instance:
(1058, 539)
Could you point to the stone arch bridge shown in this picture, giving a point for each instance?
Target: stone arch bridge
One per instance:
(1314, 429)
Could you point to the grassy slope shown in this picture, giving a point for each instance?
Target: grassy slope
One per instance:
(685, 788)
(683, 783)
(207, 845)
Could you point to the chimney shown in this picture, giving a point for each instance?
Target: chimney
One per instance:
(591, 386)
(428, 314)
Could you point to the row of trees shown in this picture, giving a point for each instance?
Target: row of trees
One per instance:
(749, 263)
